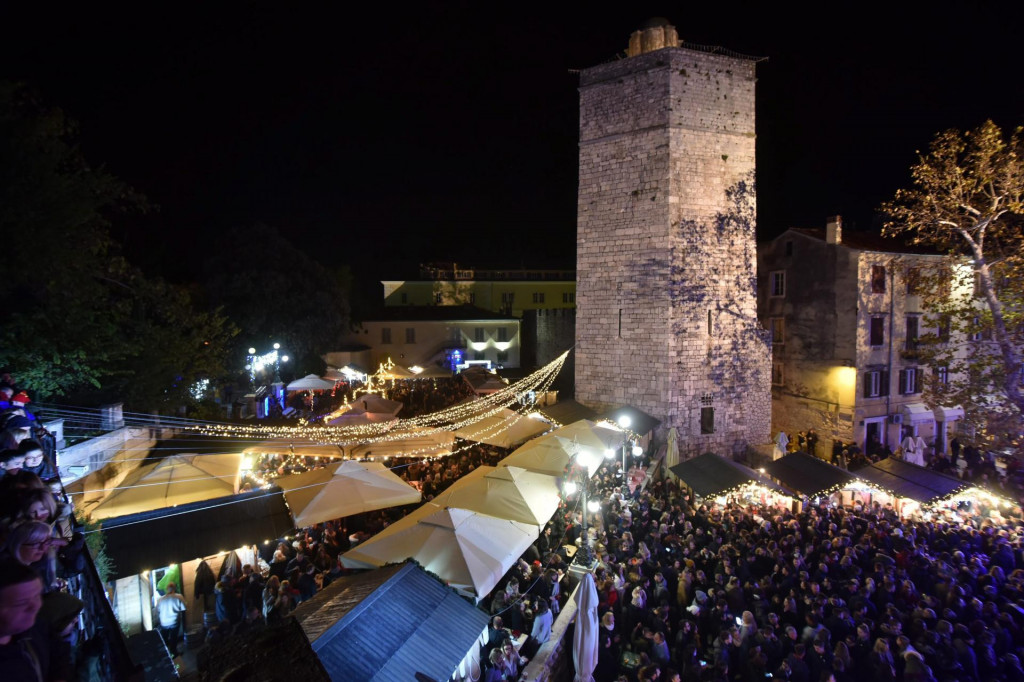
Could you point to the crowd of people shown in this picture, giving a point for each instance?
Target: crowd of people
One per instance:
(41, 550)
(694, 590)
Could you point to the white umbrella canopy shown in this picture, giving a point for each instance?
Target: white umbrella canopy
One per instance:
(334, 375)
(294, 446)
(584, 639)
(507, 493)
(543, 455)
(310, 382)
(505, 429)
(672, 451)
(342, 489)
(411, 441)
(590, 435)
(173, 480)
(368, 408)
(469, 551)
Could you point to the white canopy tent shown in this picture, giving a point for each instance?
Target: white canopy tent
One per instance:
(507, 493)
(469, 551)
(410, 441)
(505, 429)
(310, 382)
(590, 435)
(366, 409)
(544, 455)
(342, 489)
(172, 481)
(294, 446)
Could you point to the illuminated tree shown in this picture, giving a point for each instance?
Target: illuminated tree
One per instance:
(966, 202)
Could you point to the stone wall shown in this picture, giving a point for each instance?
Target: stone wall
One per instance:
(666, 310)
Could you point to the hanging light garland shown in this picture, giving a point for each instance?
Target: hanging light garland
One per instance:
(445, 420)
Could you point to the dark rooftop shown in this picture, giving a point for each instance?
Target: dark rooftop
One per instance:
(430, 313)
(866, 241)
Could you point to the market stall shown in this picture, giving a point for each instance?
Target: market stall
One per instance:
(711, 476)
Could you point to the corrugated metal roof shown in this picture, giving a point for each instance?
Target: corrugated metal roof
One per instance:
(391, 624)
(568, 412)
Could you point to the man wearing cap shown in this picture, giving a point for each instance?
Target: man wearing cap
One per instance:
(21, 400)
(169, 609)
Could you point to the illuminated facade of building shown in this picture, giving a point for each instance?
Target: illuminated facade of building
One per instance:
(845, 321)
(666, 309)
(511, 292)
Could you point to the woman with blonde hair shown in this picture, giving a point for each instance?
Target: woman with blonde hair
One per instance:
(32, 544)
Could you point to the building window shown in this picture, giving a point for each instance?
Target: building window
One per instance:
(405, 297)
(410, 335)
(502, 356)
(538, 297)
(707, 420)
(913, 281)
(945, 328)
(876, 383)
(778, 375)
(472, 298)
(478, 355)
(508, 297)
(502, 334)
(437, 297)
(778, 331)
(942, 375)
(877, 332)
(385, 334)
(777, 283)
(478, 334)
(913, 322)
(908, 381)
(569, 297)
(878, 279)
(789, 247)
(975, 335)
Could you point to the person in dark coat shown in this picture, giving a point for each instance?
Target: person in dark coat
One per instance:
(607, 650)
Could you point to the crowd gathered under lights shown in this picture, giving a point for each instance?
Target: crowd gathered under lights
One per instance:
(739, 587)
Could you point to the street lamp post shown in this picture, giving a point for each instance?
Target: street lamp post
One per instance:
(588, 461)
(624, 422)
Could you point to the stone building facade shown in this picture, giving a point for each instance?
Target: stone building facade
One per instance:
(845, 322)
(666, 254)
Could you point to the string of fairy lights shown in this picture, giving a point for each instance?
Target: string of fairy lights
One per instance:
(447, 419)
(457, 417)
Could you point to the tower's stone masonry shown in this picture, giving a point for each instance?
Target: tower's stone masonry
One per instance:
(666, 257)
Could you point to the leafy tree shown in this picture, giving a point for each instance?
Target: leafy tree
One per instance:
(966, 201)
(77, 317)
(276, 293)
(62, 288)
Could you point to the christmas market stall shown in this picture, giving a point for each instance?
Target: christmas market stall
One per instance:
(713, 477)
(916, 489)
(812, 477)
(187, 545)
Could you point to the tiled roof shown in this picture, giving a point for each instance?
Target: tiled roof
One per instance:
(868, 241)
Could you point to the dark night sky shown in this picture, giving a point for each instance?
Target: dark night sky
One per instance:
(385, 137)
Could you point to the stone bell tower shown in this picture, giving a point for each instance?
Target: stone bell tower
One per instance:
(666, 258)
